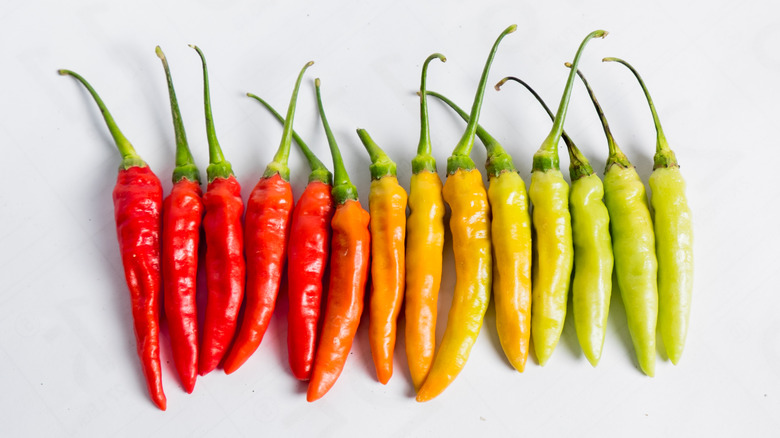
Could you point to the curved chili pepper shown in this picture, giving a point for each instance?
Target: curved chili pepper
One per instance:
(424, 247)
(511, 223)
(349, 262)
(266, 230)
(470, 225)
(633, 244)
(553, 249)
(182, 217)
(307, 257)
(387, 207)
(137, 209)
(673, 238)
(225, 266)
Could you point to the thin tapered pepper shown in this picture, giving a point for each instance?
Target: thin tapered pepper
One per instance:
(387, 207)
(553, 248)
(470, 226)
(424, 247)
(349, 264)
(137, 210)
(224, 233)
(633, 244)
(182, 217)
(673, 226)
(511, 224)
(266, 231)
(307, 257)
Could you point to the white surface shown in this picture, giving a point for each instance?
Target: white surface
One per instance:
(66, 345)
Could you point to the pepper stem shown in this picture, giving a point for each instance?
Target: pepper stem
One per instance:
(424, 159)
(664, 156)
(343, 189)
(381, 164)
(460, 158)
(185, 163)
(129, 157)
(218, 166)
(318, 170)
(279, 164)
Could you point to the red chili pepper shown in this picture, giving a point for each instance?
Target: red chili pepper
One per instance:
(225, 266)
(137, 205)
(349, 262)
(267, 227)
(307, 257)
(182, 216)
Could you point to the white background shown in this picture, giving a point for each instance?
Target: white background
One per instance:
(67, 352)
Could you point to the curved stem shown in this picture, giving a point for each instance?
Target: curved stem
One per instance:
(381, 164)
(343, 189)
(424, 160)
(185, 163)
(129, 157)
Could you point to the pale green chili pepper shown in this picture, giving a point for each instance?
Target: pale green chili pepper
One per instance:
(673, 239)
(633, 244)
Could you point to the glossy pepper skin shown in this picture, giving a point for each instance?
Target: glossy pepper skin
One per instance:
(465, 193)
(387, 207)
(349, 264)
(137, 199)
(182, 217)
(266, 231)
(673, 226)
(224, 233)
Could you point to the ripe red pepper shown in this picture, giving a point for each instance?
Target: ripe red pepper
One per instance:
(267, 228)
(137, 207)
(182, 216)
(225, 266)
(307, 257)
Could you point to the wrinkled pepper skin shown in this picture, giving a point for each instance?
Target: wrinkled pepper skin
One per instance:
(349, 264)
(674, 246)
(307, 257)
(138, 214)
(465, 193)
(511, 226)
(424, 247)
(633, 244)
(225, 269)
(182, 217)
(554, 258)
(266, 231)
(593, 263)
(387, 207)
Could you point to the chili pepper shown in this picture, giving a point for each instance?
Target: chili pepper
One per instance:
(470, 226)
(387, 207)
(225, 266)
(137, 208)
(307, 257)
(633, 244)
(182, 216)
(512, 250)
(554, 250)
(266, 230)
(673, 238)
(591, 282)
(349, 263)
(424, 247)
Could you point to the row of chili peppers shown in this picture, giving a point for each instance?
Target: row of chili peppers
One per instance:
(528, 260)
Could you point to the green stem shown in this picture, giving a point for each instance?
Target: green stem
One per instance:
(424, 159)
(129, 157)
(579, 166)
(218, 166)
(185, 163)
(279, 164)
(381, 164)
(343, 189)
(664, 156)
(318, 170)
(460, 158)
